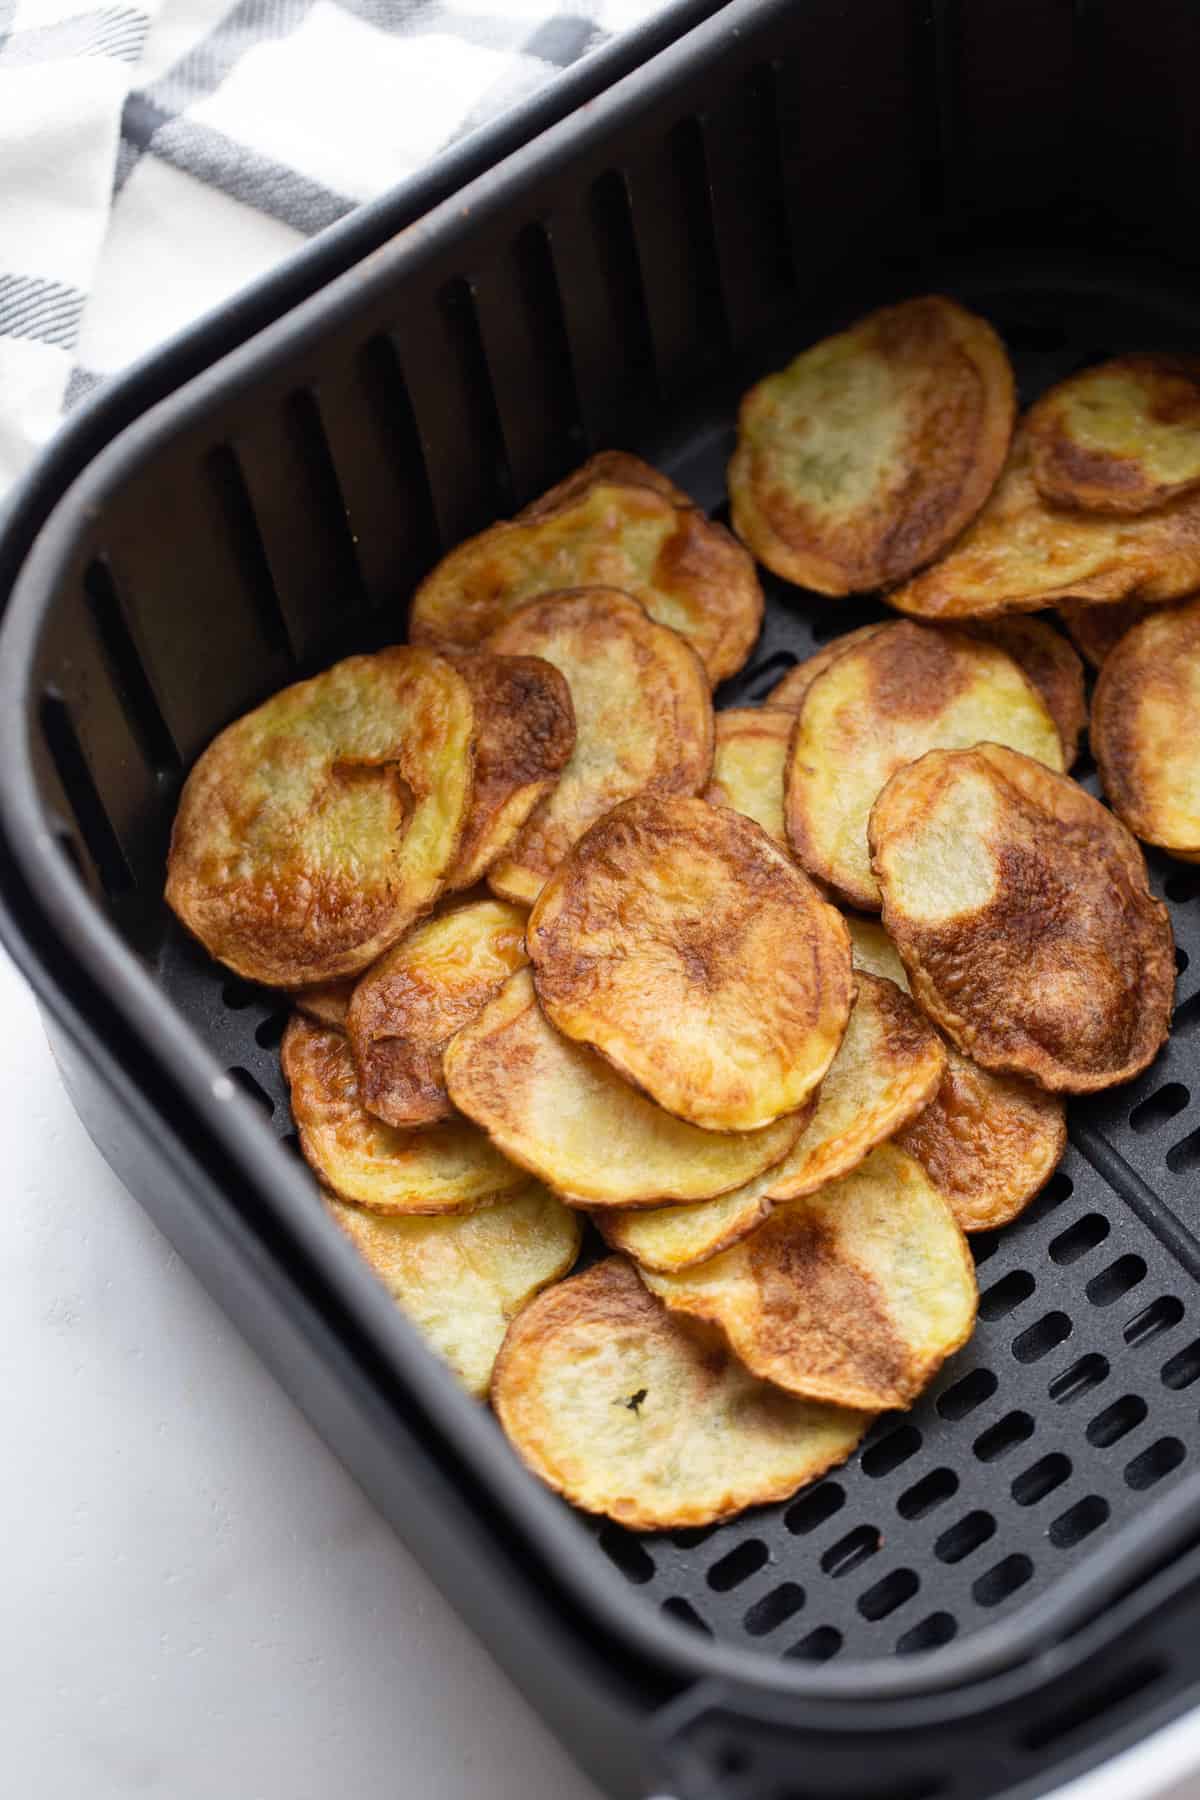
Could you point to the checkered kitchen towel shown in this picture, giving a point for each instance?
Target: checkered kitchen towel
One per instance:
(156, 155)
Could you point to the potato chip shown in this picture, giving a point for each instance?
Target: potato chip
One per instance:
(406, 1009)
(855, 1295)
(888, 1069)
(683, 944)
(689, 574)
(789, 693)
(989, 1143)
(869, 453)
(1146, 730)
(1023, 554)
(443, 1168)
(1121, 437)
(1050, 664)
(882, 704)
(748, 764)
(525, 733)
(561, 1112)
(1095, 630)
(1021, 908)
(313, 831)
(614, 468)
(327, 1001)
(627, 1411)
(643, 721)
(461, 1280)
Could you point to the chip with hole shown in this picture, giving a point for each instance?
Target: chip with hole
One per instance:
(869, 453)
(462, 1279)
(1050, 664)
(988, 1142)
(887, 1071)
(887, 700)
(560, 1111)
(327, 1001)
(314, 830)
(445, 1168)
(1146, 730)
(524, 736)
(1022, 554)
(643, 721)
(615, 468)
(1121, 437)
(406, 1009)
(683, 944)
(855, 1295)
(690, 574)
(1095, 630)
(789, 693)
(748, 764)
(628, 1411)
(1021, 909)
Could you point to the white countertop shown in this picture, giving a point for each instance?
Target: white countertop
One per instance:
(198, 1602)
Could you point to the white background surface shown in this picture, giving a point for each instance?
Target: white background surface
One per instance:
(198, 1602)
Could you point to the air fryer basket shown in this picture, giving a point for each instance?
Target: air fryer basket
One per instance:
(1006, 1581)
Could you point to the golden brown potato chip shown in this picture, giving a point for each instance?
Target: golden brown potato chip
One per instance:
(989, 1143)
(683, 944)
(615, 468)
(887, 1070)
(1022, 554)
(407, 1008)
(1095, 630)
(643, 721)
(1121, 437)
(1050, 664)
(1021, 909)
(461, 1280)
(688, 573)
(789, 693)
(748, 765)
(869, 453)
(561, 1112)
(1146, 730)
(883, 703)
(327, 1001)
(313, 831)
(443, 1168)
(525, 732)
(630, 1412)
(855, 1295)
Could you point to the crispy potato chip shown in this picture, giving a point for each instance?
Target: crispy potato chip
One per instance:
(313, 831)
(887, 1070)
(789, 693)
(1095, 630)
(1146, 730)
(1121, 437)
(855, 1295)
(748, 764)
(614, 468)
(462, 1280)
(869, 453)
(442, 1168)
(406, 1009)
(1022, 554)
(643, 719)
(1050, 664)
(688, 573)
(683, 944)
(327, 1001)
(525, 733)
(627, 1411)
(989, 1143)
(1021, 909)
(883, 703)
(561, 1112)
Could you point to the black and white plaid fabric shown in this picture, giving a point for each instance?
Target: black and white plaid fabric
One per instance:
(155, 157)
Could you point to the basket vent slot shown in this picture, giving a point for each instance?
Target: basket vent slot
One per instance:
(1040, 1339)
(236, 508)
(1079, 1379)
(101, 841)
(128, 670)
(304, 425)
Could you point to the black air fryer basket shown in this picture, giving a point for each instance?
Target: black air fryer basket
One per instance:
(1003, 1586)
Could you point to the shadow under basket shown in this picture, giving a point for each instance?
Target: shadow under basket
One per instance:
(1003, 1585)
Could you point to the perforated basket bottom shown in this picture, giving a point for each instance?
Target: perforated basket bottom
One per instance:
(1079, 1394)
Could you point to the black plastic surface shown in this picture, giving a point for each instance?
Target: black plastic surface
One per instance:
(620, 283)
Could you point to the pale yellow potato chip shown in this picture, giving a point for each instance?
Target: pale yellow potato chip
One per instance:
(748, 765)
(1121, 437)
(1146, 730)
